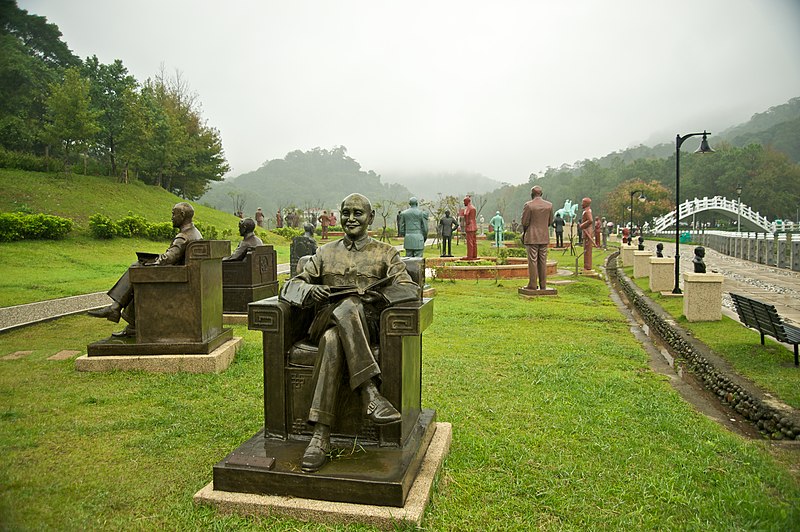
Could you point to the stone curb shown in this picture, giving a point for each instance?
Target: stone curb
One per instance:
(772, 418)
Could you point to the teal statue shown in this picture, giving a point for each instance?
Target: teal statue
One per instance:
(413, 228)
(498, 226)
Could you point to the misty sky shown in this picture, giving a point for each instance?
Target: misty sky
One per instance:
(504, 88)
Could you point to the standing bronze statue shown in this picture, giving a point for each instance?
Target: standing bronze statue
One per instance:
(586, 226)
(122, 292)
(447, 225)
(350, 280)
(413, 228)
(537, 216)
(249, 241)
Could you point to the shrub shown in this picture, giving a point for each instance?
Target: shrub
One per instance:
(131, 225)
(20, 226)
(210, 232)
(101, 226)
(287, 232)
(25, 161)
(160, 232)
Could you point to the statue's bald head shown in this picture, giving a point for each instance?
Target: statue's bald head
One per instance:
(367, 205)
(536, 191)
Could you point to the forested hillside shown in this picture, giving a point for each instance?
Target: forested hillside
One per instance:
(761, 155)
(59, 113)
(317, 178)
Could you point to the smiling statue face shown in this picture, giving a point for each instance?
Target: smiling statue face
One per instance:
(357, 215)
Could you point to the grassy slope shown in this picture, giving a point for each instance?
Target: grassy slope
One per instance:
(37, 270)
(558, 424)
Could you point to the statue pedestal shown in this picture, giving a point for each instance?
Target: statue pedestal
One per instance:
(527, 292)
(662, 274)
(702, 296)
(641, 263)
(626, 252)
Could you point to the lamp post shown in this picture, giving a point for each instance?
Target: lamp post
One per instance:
(704, 148)
(739, 209)
(642, 199)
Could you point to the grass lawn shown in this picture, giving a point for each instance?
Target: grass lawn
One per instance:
(770, 366)
(557, 423)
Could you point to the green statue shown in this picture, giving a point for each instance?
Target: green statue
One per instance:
(499, 226)
(414, 229)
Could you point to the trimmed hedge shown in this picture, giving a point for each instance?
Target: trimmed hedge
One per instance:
(102, 227)
(21, 226)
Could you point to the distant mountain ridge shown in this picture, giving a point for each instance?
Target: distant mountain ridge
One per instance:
(318, 178)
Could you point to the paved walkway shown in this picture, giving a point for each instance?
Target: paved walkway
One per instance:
(778, 286)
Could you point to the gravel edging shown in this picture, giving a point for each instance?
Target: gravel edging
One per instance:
(773, 419)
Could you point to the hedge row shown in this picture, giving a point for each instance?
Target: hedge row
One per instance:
(132, 225)
(22, 226)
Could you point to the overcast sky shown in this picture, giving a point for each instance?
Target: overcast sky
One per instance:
(504, 88)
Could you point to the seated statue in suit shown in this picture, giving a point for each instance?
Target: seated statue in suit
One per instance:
(122, 292)
(351, 281)
(247, 228)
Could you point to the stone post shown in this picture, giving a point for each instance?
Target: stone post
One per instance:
(662, 274)
(626, 252)
(641, 263)
(702, 296)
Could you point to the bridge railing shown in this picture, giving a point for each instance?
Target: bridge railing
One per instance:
(718, 203)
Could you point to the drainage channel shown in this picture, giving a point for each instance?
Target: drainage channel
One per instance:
(661, 361)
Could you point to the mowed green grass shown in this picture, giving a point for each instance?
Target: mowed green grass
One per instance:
(770, 366)
(557, 424)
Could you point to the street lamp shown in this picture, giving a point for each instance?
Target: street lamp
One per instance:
(704, 148)
(739, 208)
(642, 199)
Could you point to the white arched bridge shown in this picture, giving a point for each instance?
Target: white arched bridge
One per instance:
(751, 220)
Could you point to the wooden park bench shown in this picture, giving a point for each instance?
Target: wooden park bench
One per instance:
(765, 319)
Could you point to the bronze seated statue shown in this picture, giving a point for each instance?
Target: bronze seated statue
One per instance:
(319, 394)
(173, 301)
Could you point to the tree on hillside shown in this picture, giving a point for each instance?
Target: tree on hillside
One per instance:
(658, 201)
(112, 93)
(182, 153)
(71, 123)
(32, 57)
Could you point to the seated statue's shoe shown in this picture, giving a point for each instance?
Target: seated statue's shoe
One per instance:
(127, 332)
(381, 412)
(109, 312)
(316, 455)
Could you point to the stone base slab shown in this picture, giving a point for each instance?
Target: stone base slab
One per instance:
(215, 362)
(702, 299)
(383, 517)
(588, 273)
(527, 292)
(234, 319)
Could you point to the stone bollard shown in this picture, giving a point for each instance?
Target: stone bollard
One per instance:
(702, 296)
(626, 252)
(662, 274)
(641, 263)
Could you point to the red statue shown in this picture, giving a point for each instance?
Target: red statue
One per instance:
(471, 228)
(587, 226)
